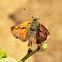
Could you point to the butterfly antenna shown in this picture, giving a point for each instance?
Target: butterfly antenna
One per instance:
(27, 11)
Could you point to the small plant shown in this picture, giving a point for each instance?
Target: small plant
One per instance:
(42, 47)
(4, 58)
(2, 54)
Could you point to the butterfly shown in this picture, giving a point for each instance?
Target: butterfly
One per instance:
(32, 30)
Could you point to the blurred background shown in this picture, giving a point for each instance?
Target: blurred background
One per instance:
(14, 12)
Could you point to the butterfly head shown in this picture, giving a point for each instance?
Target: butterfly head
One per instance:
(35, 18)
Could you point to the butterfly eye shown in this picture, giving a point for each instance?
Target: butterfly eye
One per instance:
(35, 19)
(32, 16)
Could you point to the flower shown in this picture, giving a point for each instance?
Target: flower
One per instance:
(42, 47)
(8, 59)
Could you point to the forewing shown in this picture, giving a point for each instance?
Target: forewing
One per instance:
(21, 31)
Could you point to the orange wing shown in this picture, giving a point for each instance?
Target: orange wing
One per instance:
(21, 31)
(43, 33)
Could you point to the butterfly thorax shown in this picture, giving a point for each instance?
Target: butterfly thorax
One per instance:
(33, 27)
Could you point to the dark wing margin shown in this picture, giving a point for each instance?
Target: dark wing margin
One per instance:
(43, 27)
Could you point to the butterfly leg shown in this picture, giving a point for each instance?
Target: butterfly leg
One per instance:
(29, 46)
(38, 46)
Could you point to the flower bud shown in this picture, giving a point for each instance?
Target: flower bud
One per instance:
(43, 47)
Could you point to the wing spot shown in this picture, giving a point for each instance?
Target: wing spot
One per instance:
(12, 28)
(29, 23)
(17, 37)
(20, 28)
(23, 28)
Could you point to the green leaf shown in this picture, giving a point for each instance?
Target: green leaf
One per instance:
(2, 54)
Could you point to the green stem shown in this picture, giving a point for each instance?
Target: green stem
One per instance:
(28, 55)
(39, 48)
